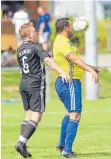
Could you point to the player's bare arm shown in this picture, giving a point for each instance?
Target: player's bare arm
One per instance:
(51, 63)
(95, 68)
(75, 60)
(42, 26)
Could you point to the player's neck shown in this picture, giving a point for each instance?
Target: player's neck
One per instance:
(64, 34)
(27, 39)
(42, 13)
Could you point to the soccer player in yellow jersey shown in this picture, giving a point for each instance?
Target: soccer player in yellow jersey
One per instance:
(67, 56)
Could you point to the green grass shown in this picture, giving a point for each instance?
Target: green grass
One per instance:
(104, 51)
(94, 134)
(93, 138)
(11, 79)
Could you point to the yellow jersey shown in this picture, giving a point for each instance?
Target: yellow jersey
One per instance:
(61, 49)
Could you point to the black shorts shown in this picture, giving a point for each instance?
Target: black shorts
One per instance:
(33, 100)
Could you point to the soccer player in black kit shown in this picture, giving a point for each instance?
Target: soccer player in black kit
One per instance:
(30, 57)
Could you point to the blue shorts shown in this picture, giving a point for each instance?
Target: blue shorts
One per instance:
(70, 94)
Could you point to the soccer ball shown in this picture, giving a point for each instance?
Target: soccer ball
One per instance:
(80, 24)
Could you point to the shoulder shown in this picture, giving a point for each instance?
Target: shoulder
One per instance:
(16, 14)
(58, 44)
(65, 43)
(25, 14)
(57, 40)
(37, 46)
(67, 46)
(47, 16)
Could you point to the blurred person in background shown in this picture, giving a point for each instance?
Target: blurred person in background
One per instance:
(19, 18)
(43, 28)
(7, 58)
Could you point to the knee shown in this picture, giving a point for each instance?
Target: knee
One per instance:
(27, 115)
(75, 116)
(36, 117)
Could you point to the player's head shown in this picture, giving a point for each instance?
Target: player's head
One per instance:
(40, 10)
(21, 8)
(28, 32)
(10, 50)
(63, 25)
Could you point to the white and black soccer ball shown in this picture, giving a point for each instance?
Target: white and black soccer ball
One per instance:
(81, 24)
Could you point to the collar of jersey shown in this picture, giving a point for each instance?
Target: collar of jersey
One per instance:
(24, 42)
(63, 37)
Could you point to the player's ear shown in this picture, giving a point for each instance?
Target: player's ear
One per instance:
(66, 28)
(29, 36)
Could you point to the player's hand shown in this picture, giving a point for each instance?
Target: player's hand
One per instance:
(96, 69)
(65, 76)
(40, 33)
(94, 76)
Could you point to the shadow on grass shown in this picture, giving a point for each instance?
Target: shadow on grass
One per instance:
(105, 154)
(107, 97)
(100, 154)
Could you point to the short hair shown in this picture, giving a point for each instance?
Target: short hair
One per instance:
(10, 49)
(61, 24)
(25, 29)
(20, 7)
(41, 7)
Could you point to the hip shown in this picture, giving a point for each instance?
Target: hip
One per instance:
(32, 84)
(62, 86)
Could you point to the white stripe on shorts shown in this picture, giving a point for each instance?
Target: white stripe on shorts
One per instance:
(72, 95)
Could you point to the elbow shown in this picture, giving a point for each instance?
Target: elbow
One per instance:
(74, 61)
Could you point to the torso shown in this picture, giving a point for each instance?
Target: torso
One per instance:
(62, 47)
(32, 67)
(44, 18)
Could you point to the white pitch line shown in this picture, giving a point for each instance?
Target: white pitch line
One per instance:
(57, 113)
(58, 125)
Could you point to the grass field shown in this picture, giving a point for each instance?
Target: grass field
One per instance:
(94, 134)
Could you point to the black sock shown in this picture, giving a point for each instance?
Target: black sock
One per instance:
(23, 125)
(29, 129)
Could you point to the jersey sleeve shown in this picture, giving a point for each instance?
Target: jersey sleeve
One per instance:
(66, 49)
(47, 17)
(41, 52)
(42, 19)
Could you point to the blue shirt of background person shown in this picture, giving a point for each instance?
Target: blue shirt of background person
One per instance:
(44, 19)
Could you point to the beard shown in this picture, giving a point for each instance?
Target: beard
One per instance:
(70, 34)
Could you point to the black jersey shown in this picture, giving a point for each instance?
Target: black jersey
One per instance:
(30, 57)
